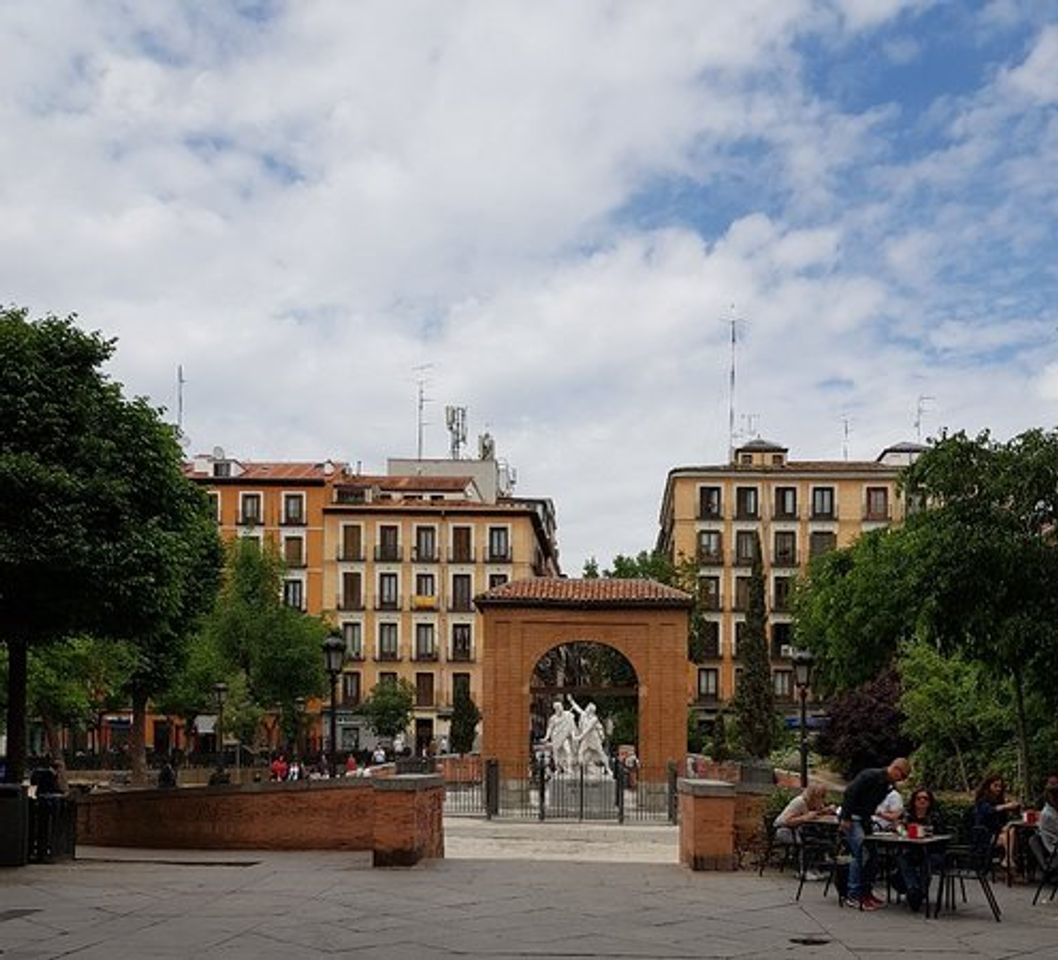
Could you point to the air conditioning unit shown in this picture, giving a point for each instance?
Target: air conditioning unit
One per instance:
(786, 651)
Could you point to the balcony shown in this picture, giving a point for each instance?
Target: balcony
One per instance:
(295, 563)
(249, 519)
(830, 514)
(707, 700)
(780, 604)
(387, 603)
(349, 700)
(389, 553)
(781, 651)
(707, 514)
(710, 559)
(502, 555)
(424, 555)
(349, 556)
(293, 520)
(785, 558)
(387, 656)
(423, 700)
(461, 556)
(711, 601)
(747, 514)
(877, 516)
(743, 559)
(461, 656)
(350, 603)
(426, 656)
(354, 656)
(779, 514)
(706, 650)
(422, 601)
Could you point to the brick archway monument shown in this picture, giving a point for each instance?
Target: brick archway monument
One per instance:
(646, 621)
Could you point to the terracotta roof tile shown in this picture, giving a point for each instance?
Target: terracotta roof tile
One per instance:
(414, 483)
(258, 470)
(602, 592)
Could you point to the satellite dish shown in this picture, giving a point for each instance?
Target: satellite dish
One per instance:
(218, 453)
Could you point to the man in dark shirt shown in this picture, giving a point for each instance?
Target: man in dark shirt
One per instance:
(862, 796)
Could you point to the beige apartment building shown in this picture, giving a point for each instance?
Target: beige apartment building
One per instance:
(795, 510)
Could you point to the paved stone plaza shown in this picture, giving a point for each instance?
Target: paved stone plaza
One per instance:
(506, 890)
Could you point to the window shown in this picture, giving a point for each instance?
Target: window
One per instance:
(746, 459)
(785, 503)
(781, 596)
(293, 593)
(708, 502)
(214, 503)
(746, 507)
(352, 634)
(425, 544)
(742, 586)
(352, 542)
(708, 683)
(461, 591)
(293, 508)
(821, 542)
(497, 580)
(462, 546)
(777, 459)
(781, 640)
(785, 548)
(747, 543)
(425, 585)
(461, 648)
(250, 508)
(294, 551)
(387, 592)
(783, 683)
(424, 689)
(710, 546)
(709, 592)
(710, 634)
(222, 468)
(388, 642)
(499, 545)
(740, 629)
(387, 678)
(351, 689)
(424, 642)
(388, 543)
(822, 503)
(352, 596)
(460, 683)
(877, 503)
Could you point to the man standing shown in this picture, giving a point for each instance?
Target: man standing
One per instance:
(862, 797)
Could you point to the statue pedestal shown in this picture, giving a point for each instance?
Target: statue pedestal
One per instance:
(587, 799)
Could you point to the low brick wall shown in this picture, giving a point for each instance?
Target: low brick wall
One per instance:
(707, 824)
(460, 769)
(401, 815)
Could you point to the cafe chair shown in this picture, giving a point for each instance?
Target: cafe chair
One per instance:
(972, 861)
(824, 854)
(787, 854)
(1048, 864)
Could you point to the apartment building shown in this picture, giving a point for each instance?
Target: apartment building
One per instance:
(405, 555)
(795, 510)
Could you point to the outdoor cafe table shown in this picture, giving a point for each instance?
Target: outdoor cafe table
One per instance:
(1020, 858)
(894, 843)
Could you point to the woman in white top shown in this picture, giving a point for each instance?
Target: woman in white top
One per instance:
(889, 812)
(810, 804)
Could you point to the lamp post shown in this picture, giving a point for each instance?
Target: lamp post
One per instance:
(299, 726)
(333, 657)
(220, 694)
(802, 664)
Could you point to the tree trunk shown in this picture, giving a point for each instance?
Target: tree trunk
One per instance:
(53, 737)
(1023, 734)
(17, 648)
(962, 766)
(138, 744)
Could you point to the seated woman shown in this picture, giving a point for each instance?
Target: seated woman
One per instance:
(992, 810)
(911, 873)
(1049, 819)
(809, 805)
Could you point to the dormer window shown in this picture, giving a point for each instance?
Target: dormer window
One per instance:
(222, 468)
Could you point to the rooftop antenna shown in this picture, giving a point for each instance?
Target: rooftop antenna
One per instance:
(421, 378)
(456, 422)
(733, 322)
(920, 408)
(180, 381)
(846, 422)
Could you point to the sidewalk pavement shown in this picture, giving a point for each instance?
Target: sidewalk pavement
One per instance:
(479, 902)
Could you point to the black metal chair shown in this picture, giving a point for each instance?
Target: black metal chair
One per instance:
(1048, 864)
(972, 861)
(823, 852)
(772, 846)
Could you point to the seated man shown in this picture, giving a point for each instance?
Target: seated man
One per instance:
(889, 812)
(807, 806)
(1049, 819)
(862, 796)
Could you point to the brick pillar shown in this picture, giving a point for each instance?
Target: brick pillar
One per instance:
(707, 824)
(408, 819)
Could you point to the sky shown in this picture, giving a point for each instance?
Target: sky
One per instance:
(558, 208)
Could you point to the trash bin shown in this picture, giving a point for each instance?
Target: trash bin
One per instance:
(52, 828)
(14, 825)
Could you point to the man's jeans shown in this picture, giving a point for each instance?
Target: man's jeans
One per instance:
(861, 874)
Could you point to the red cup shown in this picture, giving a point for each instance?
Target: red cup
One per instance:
(912, 831)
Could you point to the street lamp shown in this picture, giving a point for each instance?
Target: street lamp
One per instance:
(333, 658)
(220, 694)
(802, 664)
(299, 726)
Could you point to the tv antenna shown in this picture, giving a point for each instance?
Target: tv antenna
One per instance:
(421, 378)
(920, 408)
(733, 321)
(846, 423)
(180, 381)
(456, 422)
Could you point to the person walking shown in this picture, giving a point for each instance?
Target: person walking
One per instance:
(862, 796)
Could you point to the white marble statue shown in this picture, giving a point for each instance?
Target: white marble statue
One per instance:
(589, 739)
(561, 735)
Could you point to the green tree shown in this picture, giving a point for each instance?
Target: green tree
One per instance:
(388, 707)
(754, 703)
(591, 569)
(718, 748)
(465, 719)
(94, 506)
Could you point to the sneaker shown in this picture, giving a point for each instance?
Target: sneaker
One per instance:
(865, 903)
(875, 902)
